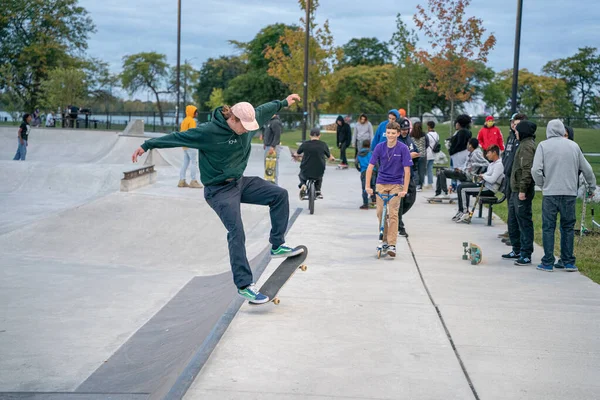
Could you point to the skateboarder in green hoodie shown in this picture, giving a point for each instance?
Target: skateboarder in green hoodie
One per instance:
(224, 145)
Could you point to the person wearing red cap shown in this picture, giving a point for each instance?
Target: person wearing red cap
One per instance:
(490, 135)
(224, 145)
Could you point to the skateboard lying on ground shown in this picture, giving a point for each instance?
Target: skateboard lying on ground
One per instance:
(449, 200)
(282, 274)
(472, 252)
(271, 166)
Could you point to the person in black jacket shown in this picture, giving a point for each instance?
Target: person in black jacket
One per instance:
(459, 141)
(507, 160)
(344, 139)
(409, 200)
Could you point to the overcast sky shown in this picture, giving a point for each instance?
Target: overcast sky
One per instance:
(551, 28)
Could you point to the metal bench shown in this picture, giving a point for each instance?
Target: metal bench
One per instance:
(490, 201)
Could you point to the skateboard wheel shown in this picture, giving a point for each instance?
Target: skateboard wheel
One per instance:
(465, 257)
(303, 267)
(276, 301)
(465, 244)
(378, 253)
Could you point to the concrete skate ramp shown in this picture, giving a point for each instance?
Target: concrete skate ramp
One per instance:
(59, 145)
(33, 190)
(78, 284)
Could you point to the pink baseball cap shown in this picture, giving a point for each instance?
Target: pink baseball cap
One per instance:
(245, 112)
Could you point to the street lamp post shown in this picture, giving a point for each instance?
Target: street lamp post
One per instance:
(515, 83)
(178, 59)
(306, 43)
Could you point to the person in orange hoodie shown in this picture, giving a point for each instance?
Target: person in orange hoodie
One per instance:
(490, 135)
(189, 155)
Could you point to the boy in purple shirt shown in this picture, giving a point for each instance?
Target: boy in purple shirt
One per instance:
(395, 163)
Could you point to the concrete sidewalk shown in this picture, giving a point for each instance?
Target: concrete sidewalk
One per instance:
(356, 327)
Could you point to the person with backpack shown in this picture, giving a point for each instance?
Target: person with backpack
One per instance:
(433, 148)
(363, 158)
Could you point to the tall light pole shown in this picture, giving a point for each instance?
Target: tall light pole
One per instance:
(178, 59)
(515, 83)
(306, 43)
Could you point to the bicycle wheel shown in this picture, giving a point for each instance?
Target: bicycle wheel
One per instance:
(311, 197)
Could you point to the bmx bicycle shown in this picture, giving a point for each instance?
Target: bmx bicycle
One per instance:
(310, 195)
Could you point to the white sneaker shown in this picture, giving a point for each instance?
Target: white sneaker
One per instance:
(457, 216)
(465, 219)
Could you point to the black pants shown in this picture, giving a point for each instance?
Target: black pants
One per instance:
(343, 148)
(226, 200)
(442, 185)
(363, 181)
(407, 202)
(520, 223)
(466, 189)
(304, 179)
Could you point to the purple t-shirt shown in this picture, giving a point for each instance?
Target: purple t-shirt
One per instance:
(391, 162)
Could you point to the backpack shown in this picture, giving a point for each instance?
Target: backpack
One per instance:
(436, 147)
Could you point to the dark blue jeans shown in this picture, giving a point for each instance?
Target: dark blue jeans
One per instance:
(226, 199)
(520, 223)
(551, 206)
(363, 181)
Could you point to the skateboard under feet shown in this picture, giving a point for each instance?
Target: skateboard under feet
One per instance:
(282, 274)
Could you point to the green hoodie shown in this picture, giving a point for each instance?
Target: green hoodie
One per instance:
(222, 153)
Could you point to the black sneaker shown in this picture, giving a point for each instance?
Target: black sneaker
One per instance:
(319, 195)
(402, 232)
(511, 256)
(523, 261)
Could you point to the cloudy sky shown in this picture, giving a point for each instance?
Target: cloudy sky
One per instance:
(551, 28)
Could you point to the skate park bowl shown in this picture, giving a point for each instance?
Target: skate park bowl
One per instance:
(108, 294)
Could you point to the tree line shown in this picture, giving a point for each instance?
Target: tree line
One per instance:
(43, 65)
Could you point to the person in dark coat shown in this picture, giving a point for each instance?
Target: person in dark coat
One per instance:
(344, 139)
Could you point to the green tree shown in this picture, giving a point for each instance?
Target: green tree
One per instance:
(581, 72)
(494, 97)
(365, 51)
(368, 89)
(255, 87)
(536, 94)
(63, 87)
(188, 81)
(412, 75)
(146, 71)
(216, 99)
(216, 73)
(37, 37)
(254, 50)
(287, 60)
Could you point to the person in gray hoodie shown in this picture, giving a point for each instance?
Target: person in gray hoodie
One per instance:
(555, 169)
(363, 130)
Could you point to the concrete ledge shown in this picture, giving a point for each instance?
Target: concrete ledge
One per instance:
(138, 178)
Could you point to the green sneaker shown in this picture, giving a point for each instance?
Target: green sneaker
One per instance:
(284, 251)
(252, 294)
